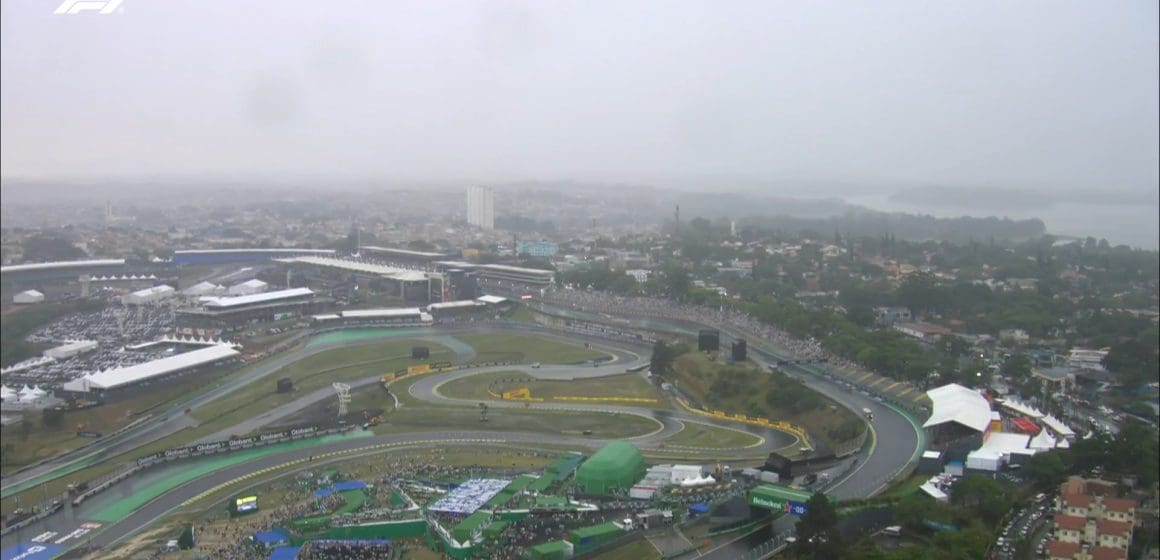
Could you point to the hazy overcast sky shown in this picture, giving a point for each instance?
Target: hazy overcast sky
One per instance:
(1007, 94)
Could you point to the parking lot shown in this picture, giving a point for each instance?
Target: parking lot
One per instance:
(1027, 523)
(112, 328)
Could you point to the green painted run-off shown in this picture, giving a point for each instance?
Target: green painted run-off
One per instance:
(122, 508)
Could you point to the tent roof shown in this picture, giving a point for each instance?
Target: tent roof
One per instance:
(61, 264)
(394, 273)
(1021, 408)
(1058, 426)
(132, 374)
(220, 302)
(162, 289)
(1005, 443)
(201, 288)
(1042, 440)
(955, 403)
(933, 491)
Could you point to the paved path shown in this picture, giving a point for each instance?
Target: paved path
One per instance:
(621, 358)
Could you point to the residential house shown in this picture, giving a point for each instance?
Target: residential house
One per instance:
(1014, 336)
(924, 332)
(887, 316)
(1092, 524)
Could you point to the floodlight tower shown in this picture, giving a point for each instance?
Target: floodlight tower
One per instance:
(343, 391)
(122, 315)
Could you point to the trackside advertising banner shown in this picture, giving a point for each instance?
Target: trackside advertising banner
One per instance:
(273, 436)
(31, 551)
(217, 446)
(242, 442)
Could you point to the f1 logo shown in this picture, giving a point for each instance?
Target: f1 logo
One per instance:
(74, 7)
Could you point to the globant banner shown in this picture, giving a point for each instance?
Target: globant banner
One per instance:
(215, 446)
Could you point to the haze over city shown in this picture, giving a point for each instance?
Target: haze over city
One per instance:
(849, 99)
(615, 280)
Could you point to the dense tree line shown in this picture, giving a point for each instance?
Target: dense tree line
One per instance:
(1133, 451)
(977, 505)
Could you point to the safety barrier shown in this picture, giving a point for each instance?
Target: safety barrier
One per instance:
(525, 394)
(779, 425)
(513, 395)
(852, 446)
(643, 400)
(201, 450)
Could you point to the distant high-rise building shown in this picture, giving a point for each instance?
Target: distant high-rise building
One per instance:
(536, 248)
(481, 207)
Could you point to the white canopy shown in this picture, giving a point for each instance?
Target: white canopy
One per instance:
(934, 492)
(1042, 441)
(1056, 425)
(955, 403)
(140, 372)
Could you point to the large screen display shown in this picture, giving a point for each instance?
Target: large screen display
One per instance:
(249, 503)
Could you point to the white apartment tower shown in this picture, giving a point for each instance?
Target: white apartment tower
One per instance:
(481, 207)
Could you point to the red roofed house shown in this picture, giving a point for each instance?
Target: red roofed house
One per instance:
(1077, 504)
(1119, 509)
(1114, 534)
(1105, 553)
(1070, 528)
(1059, 550)
(1091, 516)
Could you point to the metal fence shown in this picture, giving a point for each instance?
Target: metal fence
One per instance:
(768, 548)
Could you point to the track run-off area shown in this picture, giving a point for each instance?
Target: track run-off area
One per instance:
(140, 501)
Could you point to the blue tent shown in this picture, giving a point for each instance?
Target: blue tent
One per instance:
(285, 553)
(349, 485)
(271, 538)
(322, 492)
(698, 509)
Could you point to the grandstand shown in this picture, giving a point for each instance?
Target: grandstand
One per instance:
(122, 379)
(406, 316)
(408, 284)
(71, 268)
(402, 257)
(230, 313)
(37, 275)
(502, 273)
(467, 306)
(455, 307)
(225, 256)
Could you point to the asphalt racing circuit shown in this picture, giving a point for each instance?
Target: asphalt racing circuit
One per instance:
(896, 439)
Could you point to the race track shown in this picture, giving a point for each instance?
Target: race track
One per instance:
(896, 440)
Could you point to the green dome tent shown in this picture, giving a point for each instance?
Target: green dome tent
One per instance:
(617, 465)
